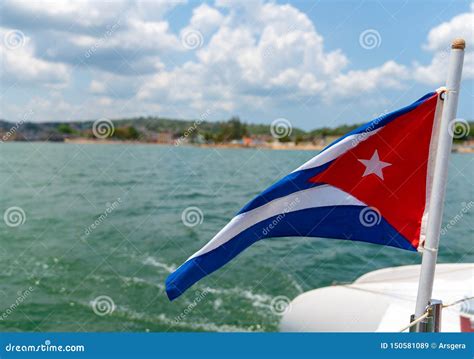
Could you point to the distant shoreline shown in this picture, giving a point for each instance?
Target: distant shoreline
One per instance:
(271, 146)
(288, 146)
(231, 134)
(457, 148)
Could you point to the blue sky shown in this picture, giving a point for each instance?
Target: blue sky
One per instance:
(315, 63)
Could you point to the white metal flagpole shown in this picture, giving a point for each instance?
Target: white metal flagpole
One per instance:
(440, 175)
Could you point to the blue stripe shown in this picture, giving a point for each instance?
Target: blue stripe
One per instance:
(298, 181)
(294, 182)
(340, 222)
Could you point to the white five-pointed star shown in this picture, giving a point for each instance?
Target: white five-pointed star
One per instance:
(374, 165)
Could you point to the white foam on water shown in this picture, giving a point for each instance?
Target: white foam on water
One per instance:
(173, 323)
(258, 300)
(156, 263)
(217, 303)
(138, 280)
(295, 284)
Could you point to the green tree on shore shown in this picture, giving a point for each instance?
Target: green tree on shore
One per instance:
(231, 130)
(126, 133)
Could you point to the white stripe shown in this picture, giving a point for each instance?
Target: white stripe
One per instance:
(431, 161)
(338, 149)
(321, 196)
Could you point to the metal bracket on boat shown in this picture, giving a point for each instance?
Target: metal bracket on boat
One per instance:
(442, 92)
(431, 321)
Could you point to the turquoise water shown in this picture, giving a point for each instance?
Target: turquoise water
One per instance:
(104, 221)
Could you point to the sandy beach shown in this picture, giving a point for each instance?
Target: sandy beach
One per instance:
(458, 148)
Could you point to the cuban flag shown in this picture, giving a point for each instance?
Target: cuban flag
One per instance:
(371, 185)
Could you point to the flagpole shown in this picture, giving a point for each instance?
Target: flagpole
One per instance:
(440, 175)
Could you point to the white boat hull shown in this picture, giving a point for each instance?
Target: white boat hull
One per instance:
(381, 301)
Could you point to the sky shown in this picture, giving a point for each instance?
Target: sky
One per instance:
(314, 63)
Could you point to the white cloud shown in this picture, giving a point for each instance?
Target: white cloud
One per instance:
(83, 15)
(113, 85)
(145, 35)
(20, 65)
(253, 55)
(188, 88)
(352, 83)
(439, 40)
(127, 46)
(149, 10)
(105, 101)
(206, 18)
(65, 15)
(97, 87)
(276, 53)
(461, 25)
(125, 37)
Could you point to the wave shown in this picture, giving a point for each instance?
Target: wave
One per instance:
(295, 284)
(258, 300)
(174, 323)
(156, 263)
(137, 280)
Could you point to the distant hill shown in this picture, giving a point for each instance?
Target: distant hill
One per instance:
(153, 129)
(141, 129)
